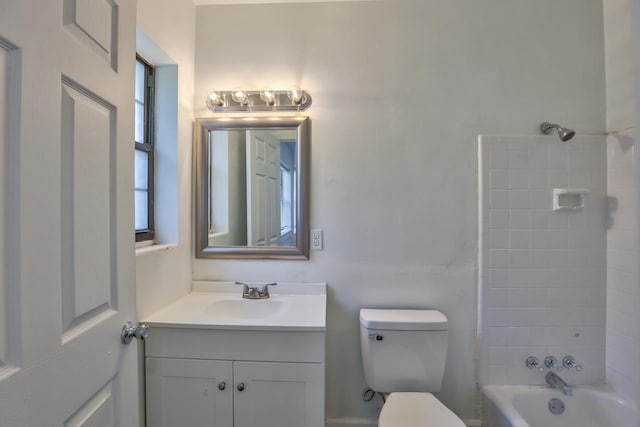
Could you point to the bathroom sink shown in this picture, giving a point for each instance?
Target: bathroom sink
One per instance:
(245, 308)
(219, 305)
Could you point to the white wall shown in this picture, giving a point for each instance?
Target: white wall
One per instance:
(400, 92)
(542, 272)
(623, 254)
(163, 276)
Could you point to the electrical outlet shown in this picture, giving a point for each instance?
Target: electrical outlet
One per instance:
(316, 240)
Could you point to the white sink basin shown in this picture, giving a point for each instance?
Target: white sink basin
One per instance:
(245, 308)
(219, 305)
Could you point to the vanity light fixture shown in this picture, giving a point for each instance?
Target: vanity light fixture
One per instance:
(239, 100)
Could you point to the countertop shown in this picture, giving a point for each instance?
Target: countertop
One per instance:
(304, 308)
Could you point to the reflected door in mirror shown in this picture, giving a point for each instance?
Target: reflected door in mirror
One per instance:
(252, 181)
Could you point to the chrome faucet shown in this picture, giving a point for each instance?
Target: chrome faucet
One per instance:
(255, 292)
(555, 381)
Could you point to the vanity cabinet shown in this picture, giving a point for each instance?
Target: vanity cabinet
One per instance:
(234, 378)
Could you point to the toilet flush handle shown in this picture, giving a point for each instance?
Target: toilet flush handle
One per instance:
(376, 337)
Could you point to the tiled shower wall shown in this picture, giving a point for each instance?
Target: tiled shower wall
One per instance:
(623, 298)
(542, 273)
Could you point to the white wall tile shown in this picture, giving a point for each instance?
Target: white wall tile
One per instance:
(545, 292)
(518, 158)
(518, 199)
(519, 239)
(499, 218)
(558, 156)
(499, 179)
(499, 159)
(623, 280)
(520, 219)
(518, 179)
(538, 179)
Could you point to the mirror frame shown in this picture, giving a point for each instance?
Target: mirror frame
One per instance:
(202, 127)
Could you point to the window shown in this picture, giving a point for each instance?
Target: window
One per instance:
(144, 150)
(286, 200)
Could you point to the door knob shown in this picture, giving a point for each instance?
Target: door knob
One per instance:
(130, 331)
(241, 387)
(222, 386)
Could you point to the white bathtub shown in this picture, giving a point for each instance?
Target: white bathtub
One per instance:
(523, 406)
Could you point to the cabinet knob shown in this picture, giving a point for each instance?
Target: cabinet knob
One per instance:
(241, 387)
(222, 385)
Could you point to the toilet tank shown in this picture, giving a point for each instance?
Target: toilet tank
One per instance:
(403, 350)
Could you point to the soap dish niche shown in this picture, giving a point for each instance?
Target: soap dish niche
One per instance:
(569, 199)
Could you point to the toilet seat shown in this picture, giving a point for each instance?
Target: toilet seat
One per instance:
(416, 410)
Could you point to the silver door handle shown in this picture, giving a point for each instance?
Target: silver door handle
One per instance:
(130, 331)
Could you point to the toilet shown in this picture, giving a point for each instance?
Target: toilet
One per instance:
(404, 353)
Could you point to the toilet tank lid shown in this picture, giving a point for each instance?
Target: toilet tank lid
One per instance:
(403, 320)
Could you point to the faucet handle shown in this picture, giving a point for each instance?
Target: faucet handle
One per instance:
(245, 289)
(570, 362)
(264, 292)
(552, 363)
(532, 362)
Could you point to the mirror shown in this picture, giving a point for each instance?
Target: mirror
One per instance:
(252, 187)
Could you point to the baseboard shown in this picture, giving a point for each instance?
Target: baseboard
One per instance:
(351, 422)
(364, 422)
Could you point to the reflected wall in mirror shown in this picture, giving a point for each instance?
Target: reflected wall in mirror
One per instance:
(252, 188)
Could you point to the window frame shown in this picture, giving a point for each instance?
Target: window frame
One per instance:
(148, 146)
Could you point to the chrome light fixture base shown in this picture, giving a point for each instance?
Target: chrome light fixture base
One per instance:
(256, 100)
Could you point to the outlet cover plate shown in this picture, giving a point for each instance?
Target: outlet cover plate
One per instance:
(316, 240)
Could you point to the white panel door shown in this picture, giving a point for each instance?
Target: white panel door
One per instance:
(66, 213)
(263, 189)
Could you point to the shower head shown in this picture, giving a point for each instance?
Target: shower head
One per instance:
(565, 134)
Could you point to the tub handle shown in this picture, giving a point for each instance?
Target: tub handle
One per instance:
(532, 362)
(552, 363)
(570, 362)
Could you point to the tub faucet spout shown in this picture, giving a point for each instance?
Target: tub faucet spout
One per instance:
(555, 381)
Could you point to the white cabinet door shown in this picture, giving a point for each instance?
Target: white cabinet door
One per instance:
(278, 394)
(67, 266)
(189, 393)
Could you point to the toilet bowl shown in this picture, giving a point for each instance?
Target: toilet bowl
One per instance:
(407, 409)
(404, 353)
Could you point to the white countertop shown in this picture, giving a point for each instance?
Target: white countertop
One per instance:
(304, 308)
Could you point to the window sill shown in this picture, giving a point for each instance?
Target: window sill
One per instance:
(146, 250)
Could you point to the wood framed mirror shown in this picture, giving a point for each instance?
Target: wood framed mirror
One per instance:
(252, 187)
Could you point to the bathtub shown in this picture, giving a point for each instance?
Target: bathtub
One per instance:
(524, 406)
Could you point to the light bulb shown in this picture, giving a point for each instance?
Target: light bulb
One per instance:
(268, 96)
(215, 99)
(240, 96)
(296, 95)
